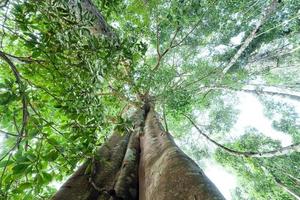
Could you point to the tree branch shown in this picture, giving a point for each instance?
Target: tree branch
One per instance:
(22, 94)
(266, 154)
(161, 55)
(264, 90)
(285, 188)
(100, 26)
(7, 133)
(4, 4)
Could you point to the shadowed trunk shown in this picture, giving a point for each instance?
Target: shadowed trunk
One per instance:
(145, 164)
(96, 179)
(112, 173)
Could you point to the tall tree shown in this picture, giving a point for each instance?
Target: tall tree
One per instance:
(93, 92)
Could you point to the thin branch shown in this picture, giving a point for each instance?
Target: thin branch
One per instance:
(192, 30)
(161, 55)
(43, 119)
(4, 4)
(200, 79)
(277, 152)
(5, 167)
(281, 24)
(25, 113)
(7, 133)
(157, 39)
(24, 59)
(285, 188)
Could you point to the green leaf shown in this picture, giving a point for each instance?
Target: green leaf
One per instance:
(4, 163)
(19, 168)
(24, 186)
(46, 177)
(36, 54)
(52, 155)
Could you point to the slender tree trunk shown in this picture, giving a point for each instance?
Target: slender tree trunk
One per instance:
(285, 93)
(285, 188)
(165, 172)
(265, 15)
(145, 164)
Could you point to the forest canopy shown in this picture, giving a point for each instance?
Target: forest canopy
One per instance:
(73, 71)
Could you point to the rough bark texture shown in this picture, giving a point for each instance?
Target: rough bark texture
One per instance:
(112, 174)
(96, 180)
(145, 164)
(165, 172)
(126, 186)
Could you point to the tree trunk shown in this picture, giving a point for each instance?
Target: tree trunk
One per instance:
(165, 172)
(145, 164)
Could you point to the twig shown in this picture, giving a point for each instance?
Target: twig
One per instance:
(5, 167)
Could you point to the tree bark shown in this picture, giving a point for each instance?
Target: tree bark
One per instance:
(113, 173)
(145, 164)
(95, 179)
(165, 172)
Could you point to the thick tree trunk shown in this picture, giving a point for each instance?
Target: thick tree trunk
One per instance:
(165, 172)
(145, 164)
